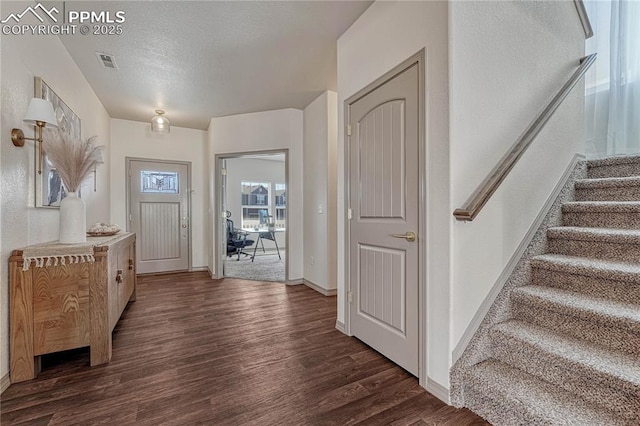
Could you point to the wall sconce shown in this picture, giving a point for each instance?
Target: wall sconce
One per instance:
(39, 114)
(160, 123)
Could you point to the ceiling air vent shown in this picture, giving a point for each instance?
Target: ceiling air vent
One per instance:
(107, 61)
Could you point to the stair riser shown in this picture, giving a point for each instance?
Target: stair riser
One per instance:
(617, 220)
(616, 193)
(580, 380)
(597, 318)
(614, 170)
(621, 252)
(621, 291)
(507, 396)
(612, 337)
(495, 412)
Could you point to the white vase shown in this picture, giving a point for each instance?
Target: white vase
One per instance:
(73, 220)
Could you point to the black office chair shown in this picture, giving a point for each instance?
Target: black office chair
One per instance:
(236, 240)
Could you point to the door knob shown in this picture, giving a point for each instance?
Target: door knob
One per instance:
(409, 236)
(184, 225)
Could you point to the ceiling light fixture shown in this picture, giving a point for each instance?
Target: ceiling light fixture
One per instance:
(160, 123)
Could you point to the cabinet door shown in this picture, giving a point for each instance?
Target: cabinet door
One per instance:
(61, 312)
(125, 287)
(113, 288)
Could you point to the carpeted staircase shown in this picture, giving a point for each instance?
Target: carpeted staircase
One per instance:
(570, 352)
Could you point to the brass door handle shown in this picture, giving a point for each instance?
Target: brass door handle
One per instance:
(409, 236)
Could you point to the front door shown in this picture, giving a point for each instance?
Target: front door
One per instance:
(159, 215)
(384, 217)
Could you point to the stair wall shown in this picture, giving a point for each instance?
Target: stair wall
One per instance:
(561, 343)
(479, 347)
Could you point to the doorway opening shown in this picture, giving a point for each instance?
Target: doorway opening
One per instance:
(252, 219)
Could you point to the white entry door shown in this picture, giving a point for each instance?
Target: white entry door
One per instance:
(384, 201)
(159, 215)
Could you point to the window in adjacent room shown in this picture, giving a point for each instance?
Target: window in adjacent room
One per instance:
(255, 200)
(281, 205)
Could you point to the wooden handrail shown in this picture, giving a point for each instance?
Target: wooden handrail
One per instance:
(490, 184)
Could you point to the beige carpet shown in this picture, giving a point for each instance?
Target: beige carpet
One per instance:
(266, 266)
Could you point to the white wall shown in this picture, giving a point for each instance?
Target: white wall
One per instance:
(320, 191)
(252, 170)
(384, 36)
(501, 62)
(507, 60)
(24, 57)
(135, 139)
(268, 130)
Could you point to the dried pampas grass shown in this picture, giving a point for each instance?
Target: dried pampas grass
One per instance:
(74, 159)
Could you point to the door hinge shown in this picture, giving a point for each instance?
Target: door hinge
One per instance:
(349, 130)
(224, 172)
(350, 297)
(349, 214)
(130, 217)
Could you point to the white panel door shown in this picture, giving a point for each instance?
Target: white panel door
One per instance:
(159, 208)
(383, 198)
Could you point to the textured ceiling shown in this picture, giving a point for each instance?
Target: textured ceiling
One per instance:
(204, 59)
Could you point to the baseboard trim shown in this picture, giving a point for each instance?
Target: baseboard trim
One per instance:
(5, 382)
(483, 310)
(439, 391)
(340, 327)
(200, 269)
(319, 289)
(296, 281)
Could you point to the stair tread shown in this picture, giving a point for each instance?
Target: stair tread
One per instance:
(611, 161)
(602, 207)
(540, 399)
(606, 269)
(614, 235)
(609, 182)
(582, 304)
(618, 366)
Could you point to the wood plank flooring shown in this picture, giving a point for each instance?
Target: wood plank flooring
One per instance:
(192, 350)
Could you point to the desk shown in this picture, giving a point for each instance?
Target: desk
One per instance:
(264, 234)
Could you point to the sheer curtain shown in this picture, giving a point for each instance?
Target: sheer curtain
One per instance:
(612, 103)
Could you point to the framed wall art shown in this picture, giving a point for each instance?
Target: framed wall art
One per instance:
(49, 189)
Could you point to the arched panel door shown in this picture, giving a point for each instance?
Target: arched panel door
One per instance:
(383, 229)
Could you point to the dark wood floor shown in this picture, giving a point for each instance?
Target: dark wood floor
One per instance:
(192, 350)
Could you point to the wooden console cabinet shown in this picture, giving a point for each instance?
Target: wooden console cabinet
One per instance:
(61, 307)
